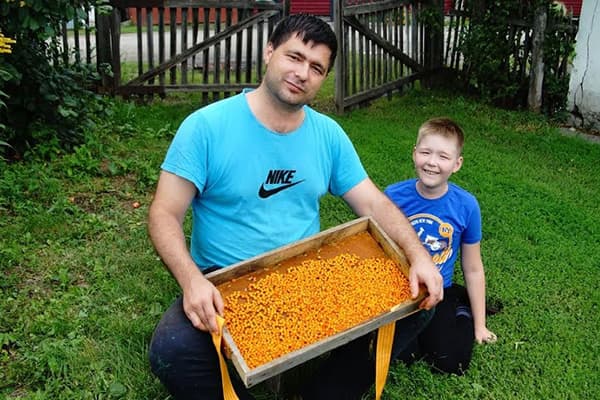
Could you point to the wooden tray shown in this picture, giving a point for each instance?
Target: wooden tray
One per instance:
(362, 237)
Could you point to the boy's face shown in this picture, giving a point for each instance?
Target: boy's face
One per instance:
(296, 70)
(436, 158)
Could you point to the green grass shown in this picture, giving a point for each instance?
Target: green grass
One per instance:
(82, 289)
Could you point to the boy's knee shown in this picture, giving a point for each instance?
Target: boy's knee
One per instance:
(449, 365)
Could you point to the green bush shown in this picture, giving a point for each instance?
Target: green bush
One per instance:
(496, 53)
(45, 102)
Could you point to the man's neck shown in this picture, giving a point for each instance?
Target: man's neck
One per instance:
(272, 114)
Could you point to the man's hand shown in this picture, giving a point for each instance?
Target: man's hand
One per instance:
(201, 303)
(425, 272)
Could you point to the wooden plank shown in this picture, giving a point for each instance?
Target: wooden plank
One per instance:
(374, 37)
(184, 44)
(161, 42)
(173, 43)
(115, 36)
(205, 52)
(227, 66)
(150, 40)
(366, 8)
(536, 78)
(140, 59)
(217, 54)
(202, 88)
(256, 4)
(340, 68)
(372, 93)
(199, 47)
(269, 259)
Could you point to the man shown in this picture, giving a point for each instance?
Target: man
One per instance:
(253, 168)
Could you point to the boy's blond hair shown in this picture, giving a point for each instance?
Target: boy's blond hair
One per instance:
(444, 127)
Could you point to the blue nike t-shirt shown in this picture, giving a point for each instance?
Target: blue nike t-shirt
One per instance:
(257, 189)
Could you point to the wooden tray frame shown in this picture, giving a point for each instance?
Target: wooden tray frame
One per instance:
(251, 377)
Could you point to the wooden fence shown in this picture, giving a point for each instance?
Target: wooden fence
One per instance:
(383, 47)
(215, 47)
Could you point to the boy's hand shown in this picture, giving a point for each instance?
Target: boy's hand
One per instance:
(484, 335)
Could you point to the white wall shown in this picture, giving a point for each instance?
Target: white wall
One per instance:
(584, 87)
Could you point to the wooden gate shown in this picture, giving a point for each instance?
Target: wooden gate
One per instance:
(383, 47)
(214, 47)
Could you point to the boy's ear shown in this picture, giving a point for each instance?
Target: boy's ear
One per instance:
(459, 163)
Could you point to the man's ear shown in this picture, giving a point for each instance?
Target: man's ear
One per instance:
(267, 53)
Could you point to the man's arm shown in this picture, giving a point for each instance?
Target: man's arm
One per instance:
(201, 300)
(366, 199)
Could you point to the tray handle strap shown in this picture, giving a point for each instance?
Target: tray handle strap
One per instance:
(385, 339)
(228, 392)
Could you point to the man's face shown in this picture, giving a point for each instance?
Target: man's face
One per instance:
(296, 71)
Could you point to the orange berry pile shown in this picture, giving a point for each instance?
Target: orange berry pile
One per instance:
(285, 311)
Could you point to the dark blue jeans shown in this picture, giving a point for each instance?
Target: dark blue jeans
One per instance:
(447, 341)
(185, 361)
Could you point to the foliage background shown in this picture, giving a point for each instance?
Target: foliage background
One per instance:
(46, 101)
(496, 51)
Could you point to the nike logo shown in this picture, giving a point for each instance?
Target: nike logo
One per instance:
(282, 177)
(264, 193)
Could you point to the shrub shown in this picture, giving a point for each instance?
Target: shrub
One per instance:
(45, 102)
(497, 54)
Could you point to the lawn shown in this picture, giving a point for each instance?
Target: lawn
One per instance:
(82, 289)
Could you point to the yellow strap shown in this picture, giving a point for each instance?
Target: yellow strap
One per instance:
(228, 392)
(385, 339)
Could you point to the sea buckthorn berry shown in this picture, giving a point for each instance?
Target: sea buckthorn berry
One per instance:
(285, 311)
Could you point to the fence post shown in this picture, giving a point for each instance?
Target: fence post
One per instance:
(108, 30)
(536, 78)
(340, 64)
(434, 39)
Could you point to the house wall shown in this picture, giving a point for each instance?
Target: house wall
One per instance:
(573, 6)
(584, 87)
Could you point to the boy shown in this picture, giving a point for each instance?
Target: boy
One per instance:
(447, 220)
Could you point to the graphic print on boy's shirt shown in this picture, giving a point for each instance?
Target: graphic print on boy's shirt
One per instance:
(435, 235)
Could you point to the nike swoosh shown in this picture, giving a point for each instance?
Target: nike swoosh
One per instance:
(264, 193)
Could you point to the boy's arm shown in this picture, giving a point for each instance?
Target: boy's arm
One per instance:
(474, 275)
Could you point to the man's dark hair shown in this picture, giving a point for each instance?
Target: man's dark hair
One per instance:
(307, 28)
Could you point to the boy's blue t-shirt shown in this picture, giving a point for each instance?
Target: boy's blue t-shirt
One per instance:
(442, 224)
(257, 189)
